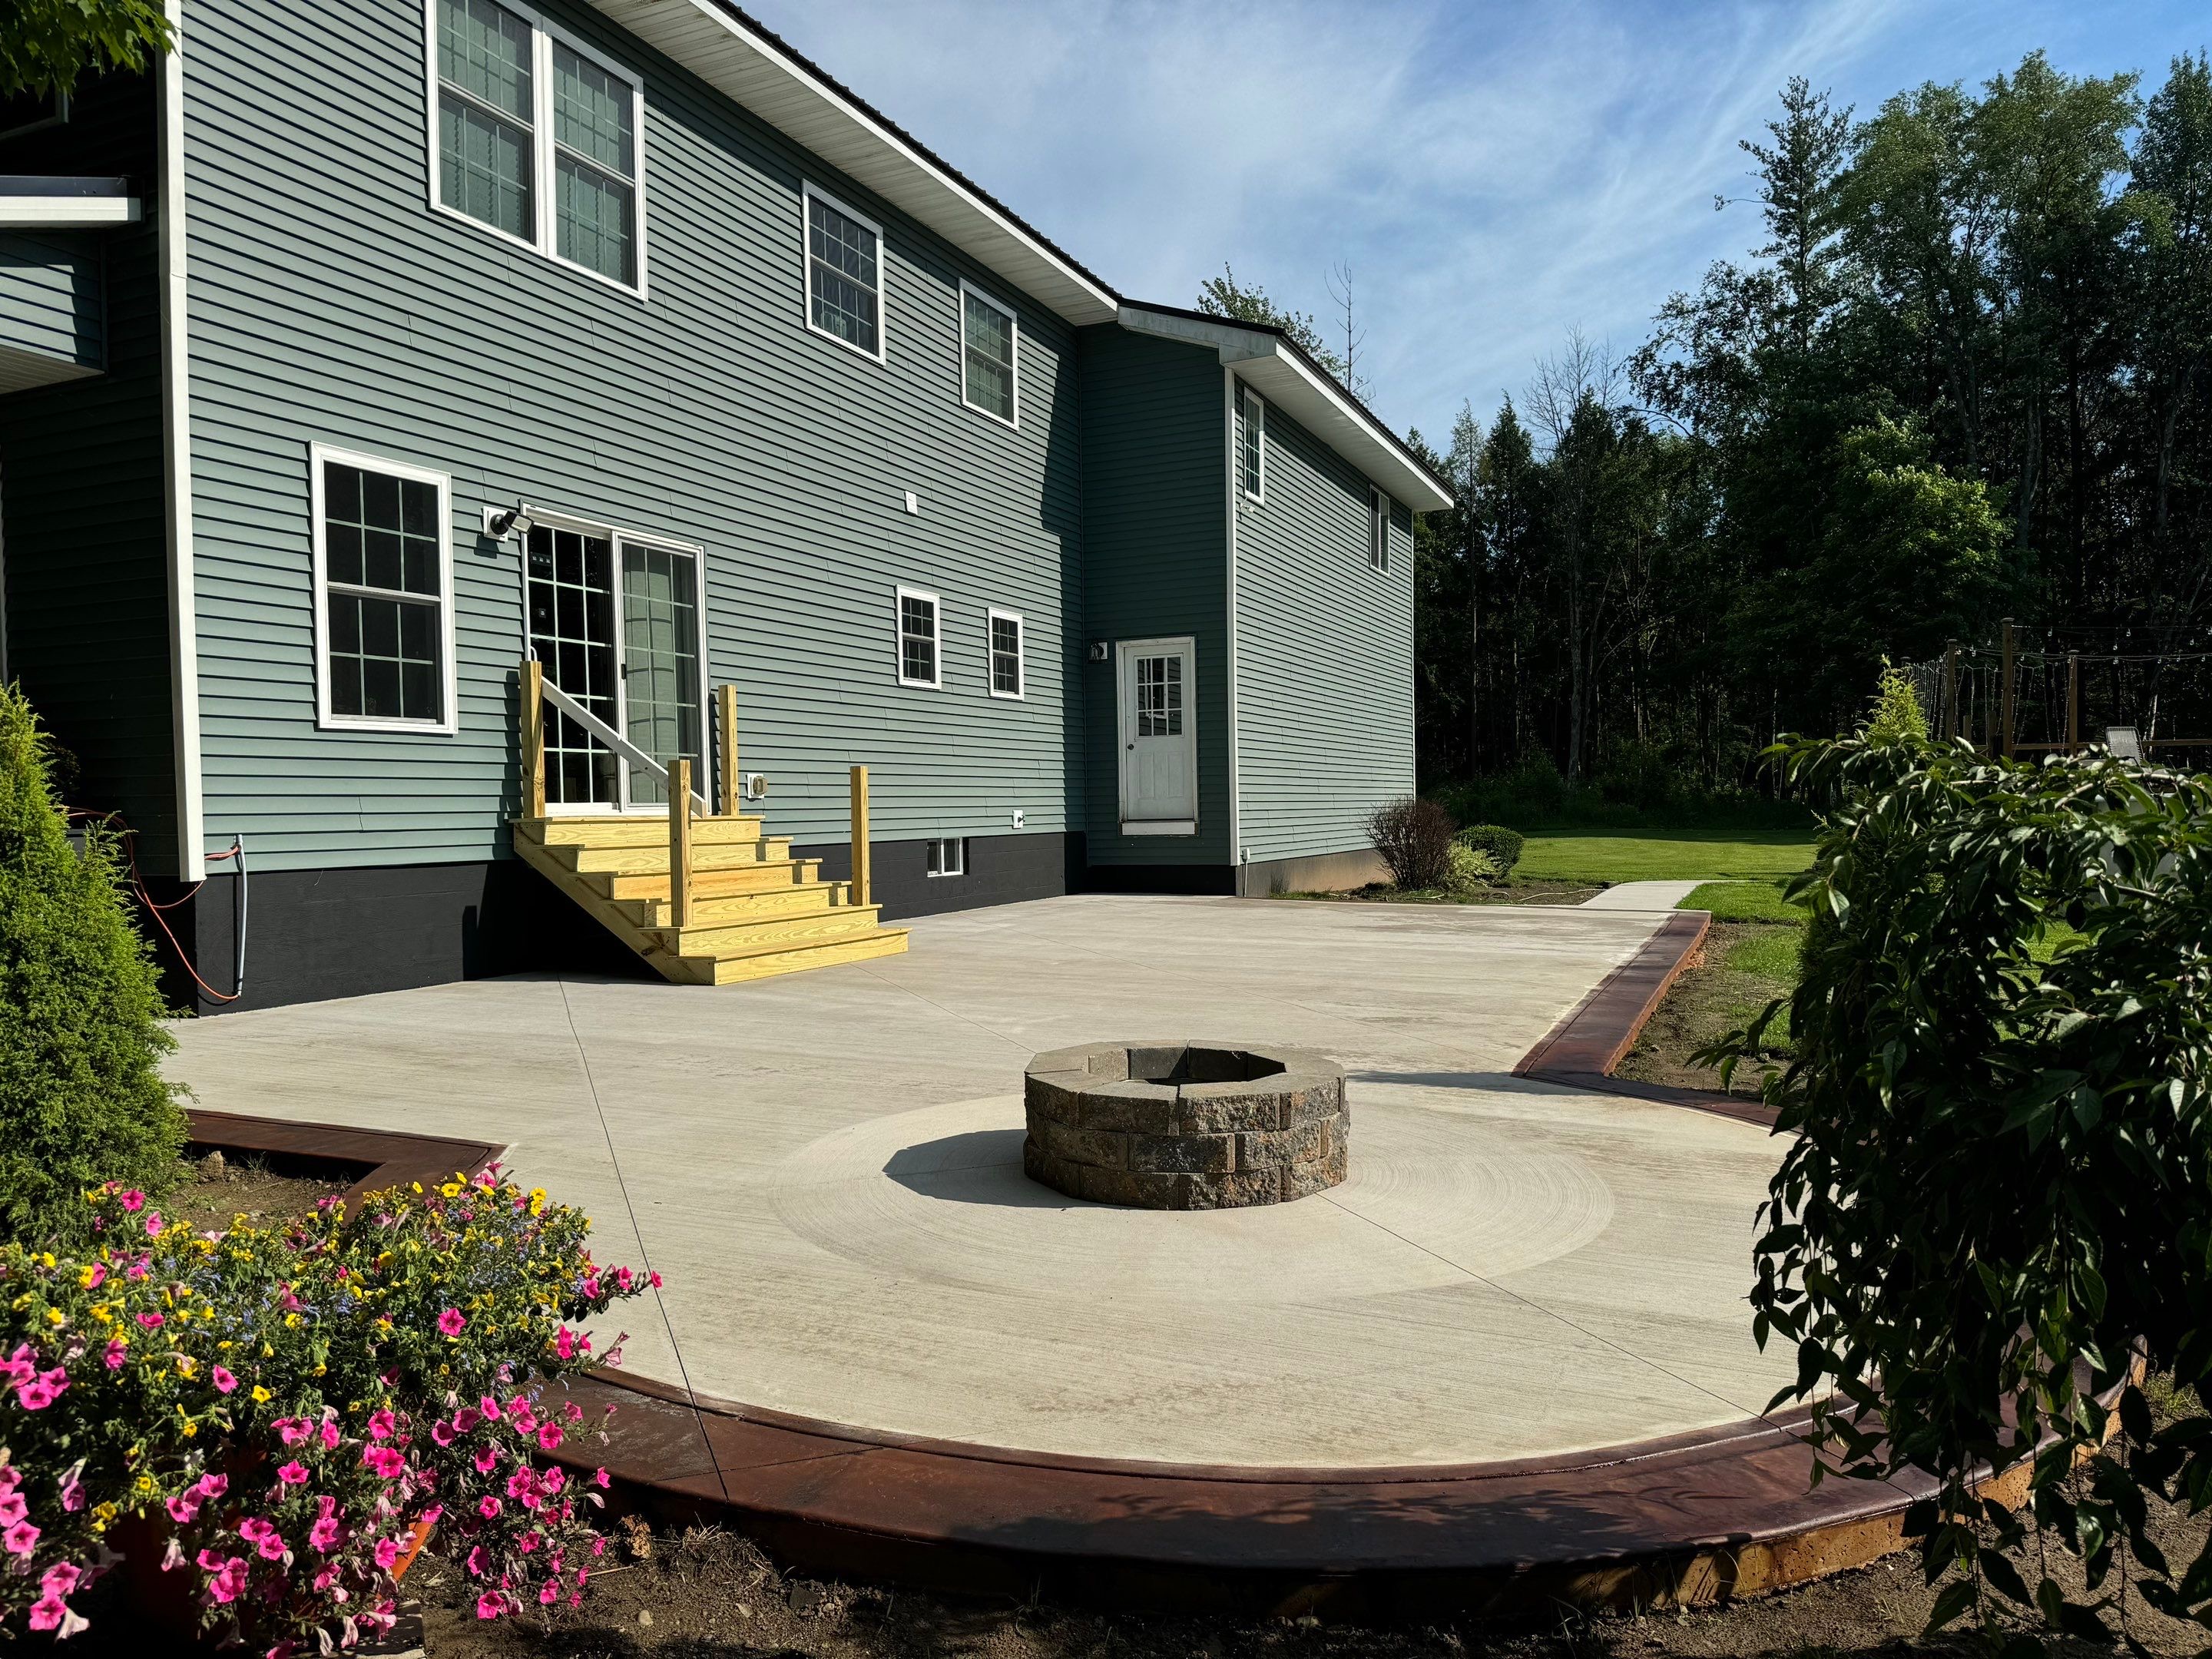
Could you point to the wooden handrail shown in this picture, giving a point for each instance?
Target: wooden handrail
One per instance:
(606, 733)
(860, 859)
(679, 845)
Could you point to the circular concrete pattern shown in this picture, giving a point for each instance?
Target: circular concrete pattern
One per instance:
(938, 1195)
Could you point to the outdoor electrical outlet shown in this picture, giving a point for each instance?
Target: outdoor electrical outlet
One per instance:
(1017, 818)
(913, 502)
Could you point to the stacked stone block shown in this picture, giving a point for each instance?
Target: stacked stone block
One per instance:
(1183, 1126)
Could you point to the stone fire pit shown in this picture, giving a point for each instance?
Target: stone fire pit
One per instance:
(1184, 1126)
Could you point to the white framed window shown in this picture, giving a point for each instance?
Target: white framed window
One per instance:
(29, 111)
(384, 594)
(1009, 674)
(989, 337)
(537, 137)
(948, 856)
(919, 657)
(844, 254)
(1251, 445)
(1378, 529)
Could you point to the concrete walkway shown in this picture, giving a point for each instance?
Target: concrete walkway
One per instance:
(1642, 895)
(827, 1169)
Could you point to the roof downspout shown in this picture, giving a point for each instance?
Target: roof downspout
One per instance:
(177, 461)
(1236, 775)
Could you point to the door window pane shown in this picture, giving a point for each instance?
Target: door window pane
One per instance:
(660, 660)
(841, 275)
(572, 630)
(1159, 697)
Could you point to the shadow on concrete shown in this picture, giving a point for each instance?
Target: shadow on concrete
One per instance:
(983, 1166)
(1499, 1082)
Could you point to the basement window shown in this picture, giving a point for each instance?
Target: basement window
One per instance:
(1008, 677)
(383, 572)
(917, 639)
(948, 857)
(525, 116)
(1378, 529)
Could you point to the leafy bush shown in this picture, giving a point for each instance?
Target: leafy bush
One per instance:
(1414, 837)
(1896, 716)
(1502, 845)
(296, 1406)
(81, 1098)
(1468, 871)
(1999, 1168)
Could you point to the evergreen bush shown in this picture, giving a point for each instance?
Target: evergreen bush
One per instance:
(1496, 841)
(82, 1096)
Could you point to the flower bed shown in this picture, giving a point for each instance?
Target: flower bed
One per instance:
(287, 1411)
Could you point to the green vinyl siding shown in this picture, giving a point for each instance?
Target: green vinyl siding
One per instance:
(1154, 551)
(50, 303)
(330, 303)
(1324, 655)
(81, 519)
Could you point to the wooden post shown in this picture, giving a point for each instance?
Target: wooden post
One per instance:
(679, 844)
(860, 835)
(2072, 701)
(1951, 689)
(726, 705)
(530, 689)
(2004, 736)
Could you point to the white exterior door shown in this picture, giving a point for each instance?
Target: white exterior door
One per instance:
(1159, 736)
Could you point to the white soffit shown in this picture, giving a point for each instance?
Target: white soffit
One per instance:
(718, 45)
(1267, 363)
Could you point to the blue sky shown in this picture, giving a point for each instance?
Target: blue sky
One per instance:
(1495, 173)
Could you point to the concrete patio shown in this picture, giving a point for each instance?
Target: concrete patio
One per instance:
(826, 1168)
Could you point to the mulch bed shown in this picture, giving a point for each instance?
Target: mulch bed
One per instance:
(1511, 891)
(211, 1191)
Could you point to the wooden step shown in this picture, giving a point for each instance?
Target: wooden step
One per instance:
(771, 876)
(636, 829)
(799, 899)
(767, 963)
(722, 940)
(639, 860)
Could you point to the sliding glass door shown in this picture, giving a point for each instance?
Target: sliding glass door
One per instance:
(616, 624)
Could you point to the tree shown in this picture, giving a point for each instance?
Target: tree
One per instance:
(82, 1095)
(46, 45)
(1224, 296)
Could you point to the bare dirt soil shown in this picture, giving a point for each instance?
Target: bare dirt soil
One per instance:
(1712, 998)
(212, 1191)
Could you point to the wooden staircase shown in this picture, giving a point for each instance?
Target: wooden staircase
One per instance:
(706, 900)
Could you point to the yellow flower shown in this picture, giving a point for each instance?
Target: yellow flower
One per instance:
(291, 1322)
(260, 1394)
(451, 1189)
(53, 1315)
(144, 1483)
(46, 1259)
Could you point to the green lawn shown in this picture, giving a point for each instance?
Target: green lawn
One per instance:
(1745, 901)
(1683, 855)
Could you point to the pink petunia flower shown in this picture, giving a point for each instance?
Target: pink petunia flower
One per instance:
(487, 1459)
(330, 1435)
(549, 1593)
(223, 1380)
(382, 1425)
(134, 1200)
(653, 1280)
(36, 1395)
(323, 1536)
(600, 1478)
(490, 1508)
(450, 1322)
(184, 1508)
(441, 1431)
(12, 1509)
(52, 1613)
(293, 1429)
(293, 1473)
(96, 1276)
(60, 1579)
(387, 1554)
(152, 1321)
(490, 1605)
(226, 1579)
(489, 1407)
(113, 1356)
(564, 1346)
(478, 1563)
(153, 1223)
(211, 1487)
(549, 1436)
(21, 1539)
(467, 1419)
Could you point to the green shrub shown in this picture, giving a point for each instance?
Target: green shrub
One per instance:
(1414, 837)
(82, 1096)
(292, 1403)
(1468, 871)
(1896, 715)
(1997, 1165)
(1500, 844)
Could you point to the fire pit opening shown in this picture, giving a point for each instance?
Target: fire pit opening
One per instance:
(1185, 1126)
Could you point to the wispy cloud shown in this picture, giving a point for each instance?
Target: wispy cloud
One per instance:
(1495, 173)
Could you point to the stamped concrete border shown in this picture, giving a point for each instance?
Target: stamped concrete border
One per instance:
(1581, 1051)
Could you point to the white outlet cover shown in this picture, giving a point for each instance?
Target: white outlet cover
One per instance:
(1017, 818)
(913, 502)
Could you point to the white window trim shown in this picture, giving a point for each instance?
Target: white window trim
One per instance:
(809, 192)
(1379, 510)
(318, 456)
(898, 638)
(543, 34)
(960, 841)
(39, 123)
(969, 290)
(1020, 656)
(1252, 400)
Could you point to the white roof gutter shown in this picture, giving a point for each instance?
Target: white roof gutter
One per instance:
(1271, 366)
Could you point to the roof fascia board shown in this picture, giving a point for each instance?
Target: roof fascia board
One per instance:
(914, 181)
(1315, 400)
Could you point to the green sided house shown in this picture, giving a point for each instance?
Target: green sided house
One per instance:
(429, 426)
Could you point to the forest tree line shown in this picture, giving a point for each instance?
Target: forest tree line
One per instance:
(1966, 374)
